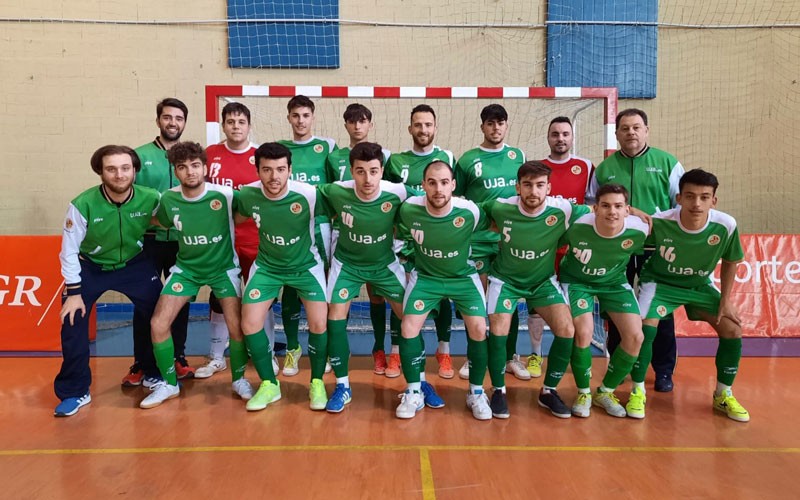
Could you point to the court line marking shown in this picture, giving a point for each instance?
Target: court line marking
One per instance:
(425, 470)
(378, 448)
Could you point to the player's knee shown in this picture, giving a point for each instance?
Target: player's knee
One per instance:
(583, 337)
(564, 329)
(159, 328)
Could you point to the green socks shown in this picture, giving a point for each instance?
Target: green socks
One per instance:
(239, 359)
(443, 321)
(394, 328)
(165, 360)
(478, 356)
(619, 366)
(261, 354)
(582, 366)
(290, 315)
(497, 360)
(558, 360)
(377, 315)
(411, 358)
(338, 347)
(729, 353)
(318, 353)
(639, 370)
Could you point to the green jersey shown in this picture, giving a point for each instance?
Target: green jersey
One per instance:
(407, 167)
(598, 260)
(338, 164)
(205, 226)
(442, 243)
(687, 258)
(365, 227)
(308, 159)
(156, 173)
(106, 233)
(528, 242)
(285, 226)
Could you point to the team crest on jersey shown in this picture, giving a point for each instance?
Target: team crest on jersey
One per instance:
(177, 287)
(68, 224)
(252, 160)
(458, 221)
(507, 304)
(583, 304)
(479, 265)
(551, 221)
(661, 310)
(512, 155)
(626, 244)
(713, 240)
(255, 293)
(215, 204)
(576, 169)
(385, 207)
(318, 148)
(296, 208)
(343, 294)
(419, 305)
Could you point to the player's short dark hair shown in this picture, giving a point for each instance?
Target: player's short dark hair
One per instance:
(357, 112)
(182, 151)
(423, 108)
(366, 151)
(300, 101)
(494, 112)
(631, 112)
(437, 162)
(235, 108)
(171, 102)
(273, 151)
(699, 177)
(612, 189)
(533, 168)
(97, 157)
(559, 119)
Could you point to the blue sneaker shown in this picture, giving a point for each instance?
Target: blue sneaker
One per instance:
(432, 399)
(150, 382)
(70, 406)
(339, 399)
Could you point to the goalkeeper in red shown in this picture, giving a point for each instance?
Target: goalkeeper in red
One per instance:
(690, 240)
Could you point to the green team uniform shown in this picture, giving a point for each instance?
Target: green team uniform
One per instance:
(595, 266)
(156, 173)
(487, 174)
(337, 165)
(286, 251)
(205, 244)
(308, 159)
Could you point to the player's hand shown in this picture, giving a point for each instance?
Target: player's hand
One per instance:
(728, 310)
(73, 304)
(644, 217)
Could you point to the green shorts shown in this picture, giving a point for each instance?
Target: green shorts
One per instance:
(345, 281)
(483, 254)
(615, 299)
(183, 284)
(502, 297)
(424, 293)
(659, 300)
(264, 285)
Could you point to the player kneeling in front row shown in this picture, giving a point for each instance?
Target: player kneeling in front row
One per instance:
(365, 209)
(600, 245)
(202, 214)
(441, 228)
(691, 239)
(284, 212)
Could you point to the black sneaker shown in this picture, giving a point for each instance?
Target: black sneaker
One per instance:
(664, 382)
(552, 402)
(499, 404)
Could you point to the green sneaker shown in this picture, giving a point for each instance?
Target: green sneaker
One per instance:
(635, 406)
(727, 404)
(317, 395)
(267, 393)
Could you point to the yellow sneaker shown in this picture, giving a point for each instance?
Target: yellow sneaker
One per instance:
(727, 404)
(317, 395)
(535, 365)
(635, 406)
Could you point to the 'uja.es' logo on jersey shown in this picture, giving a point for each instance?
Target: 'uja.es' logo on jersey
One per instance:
(215, 204)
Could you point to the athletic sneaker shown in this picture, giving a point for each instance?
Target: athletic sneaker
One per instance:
(535, 365)
(242, 388)
(70, 406)
(393, 369)
(213, 366)
(499, 404)
(150, 382)
(339, 399)
(317, 395)
(516, 367)
(609, 402)
(379, 365)
(410, 403)
(550, 399)
(463, 372)
(182, 368)
(328, 366)
(727, 404)
(583, 405)
(635, 406)
(267, 393)
(134, 376)
(431, 398)
(290, 362)
(159, 393)
(478, 402)
(445, 365)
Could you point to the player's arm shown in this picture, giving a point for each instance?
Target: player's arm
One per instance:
(727, 278)
(674, 179)
(75, 226)
(644, 217)
(460, 176)
(591, 191)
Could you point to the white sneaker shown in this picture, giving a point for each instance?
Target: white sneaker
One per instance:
(275, 366)
(479, 404)
(243, 389)
(328, 366)
(161, 392)
(464, 371)
(410, 404)
(213, 366)
(518, 368)
(291, 361)
(609, 402)
(583, 405)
